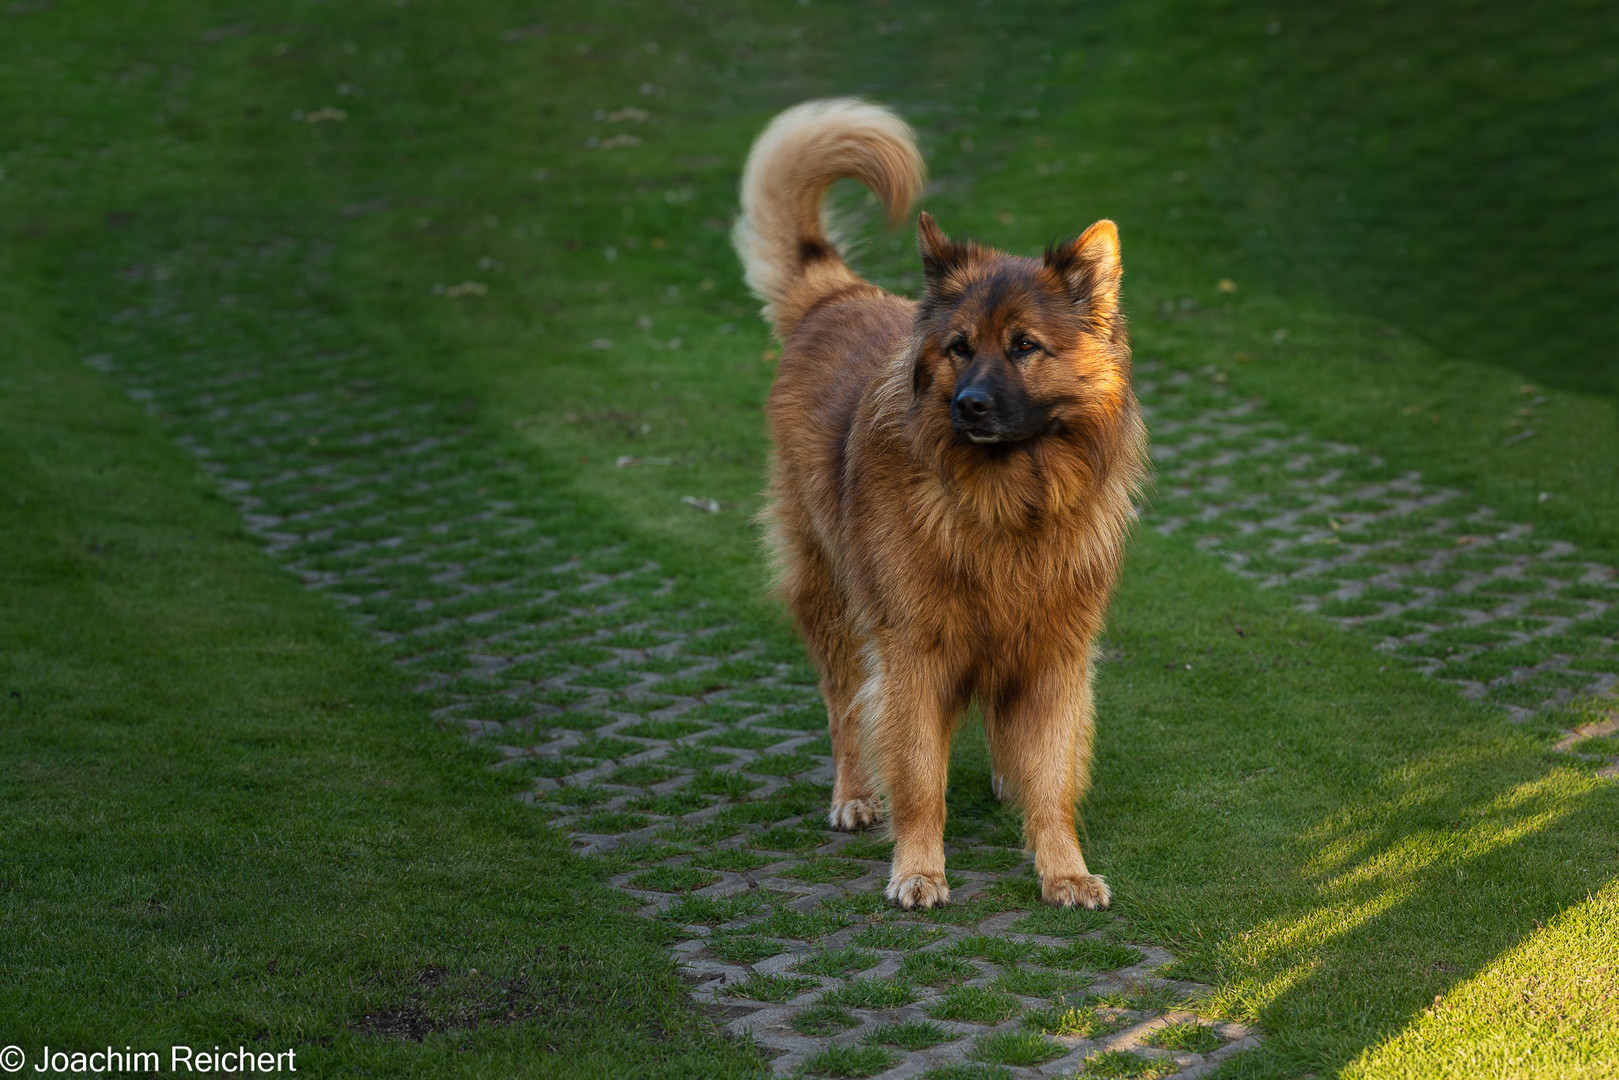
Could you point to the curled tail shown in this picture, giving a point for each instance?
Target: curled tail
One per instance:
(789, 261)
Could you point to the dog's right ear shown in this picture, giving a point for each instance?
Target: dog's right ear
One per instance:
(940, 254)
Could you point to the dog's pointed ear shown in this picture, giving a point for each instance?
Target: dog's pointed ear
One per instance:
(1090, 270)
(940, 254)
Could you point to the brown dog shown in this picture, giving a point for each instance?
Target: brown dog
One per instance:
(952, 484)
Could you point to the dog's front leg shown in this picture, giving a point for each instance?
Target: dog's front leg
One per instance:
(1041, 731)
(910, 720)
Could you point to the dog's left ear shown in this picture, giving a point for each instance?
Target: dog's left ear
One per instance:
(1090, 270)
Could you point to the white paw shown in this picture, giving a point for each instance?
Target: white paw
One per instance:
(1083, 890)
(854, 814)
(918, 891)
(995, 784)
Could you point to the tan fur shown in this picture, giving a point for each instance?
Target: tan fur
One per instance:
(924, 569)
(803, 152)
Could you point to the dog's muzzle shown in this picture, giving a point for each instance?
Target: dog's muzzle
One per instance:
(979, 417)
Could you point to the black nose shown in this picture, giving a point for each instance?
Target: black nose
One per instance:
(974, 403)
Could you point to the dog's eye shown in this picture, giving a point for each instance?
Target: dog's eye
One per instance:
(1023, 346)
(961, 348)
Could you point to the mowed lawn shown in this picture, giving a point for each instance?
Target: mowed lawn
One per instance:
(226, 818)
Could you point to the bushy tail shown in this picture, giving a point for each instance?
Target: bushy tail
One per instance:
(786, 254)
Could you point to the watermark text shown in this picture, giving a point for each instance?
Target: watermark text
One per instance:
(111, 1060)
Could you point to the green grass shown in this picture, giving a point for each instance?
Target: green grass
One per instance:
(849, 1061)
(910, 1035)
(935, 969)
(711, 910)
(1084, 1022)
(875, 993)
(1140, 997)
(892, 936)
(868, 847)
(987, 860)
(773, 988)
(974, 1004)
(737, 859)
(681, 878)
(1195, 1038)
(1598, 744)
(996, 950)
(1017, 1048)
(1090, 954)
(742, 948)
(782, 764)
(641, 775)
(800, 840)
(228, 812)
(837, 962)
(1061, 922)
(823, 1019)
(1122, 1064)
(801, 925)
(715, 782)
(825, 868)
(1031, 982)
(963, 1070)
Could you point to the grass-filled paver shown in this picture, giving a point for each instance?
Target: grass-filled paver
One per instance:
(910, 1035)
(1017, 1048)
(850, 1061)
(975, 1005)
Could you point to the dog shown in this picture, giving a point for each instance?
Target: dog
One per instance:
(952, 483)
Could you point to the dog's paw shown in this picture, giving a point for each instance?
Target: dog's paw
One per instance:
(996, 785)
(852, 815)
(1082, 890)
(918, 891)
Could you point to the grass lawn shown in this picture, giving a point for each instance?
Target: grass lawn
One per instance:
(435, 305)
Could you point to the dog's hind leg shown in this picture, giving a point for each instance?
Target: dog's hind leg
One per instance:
(823, 619)
(1041, 731)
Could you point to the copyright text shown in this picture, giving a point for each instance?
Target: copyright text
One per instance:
(176, 1059)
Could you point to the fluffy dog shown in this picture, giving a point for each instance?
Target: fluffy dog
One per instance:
(952, 485)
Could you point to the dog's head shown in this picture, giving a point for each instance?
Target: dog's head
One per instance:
(1022, 366)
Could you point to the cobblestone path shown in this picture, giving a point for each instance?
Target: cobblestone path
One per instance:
(692, 757)
(1437, 580)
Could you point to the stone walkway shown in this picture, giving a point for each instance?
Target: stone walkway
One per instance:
(692, 757)
(1437, 580)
